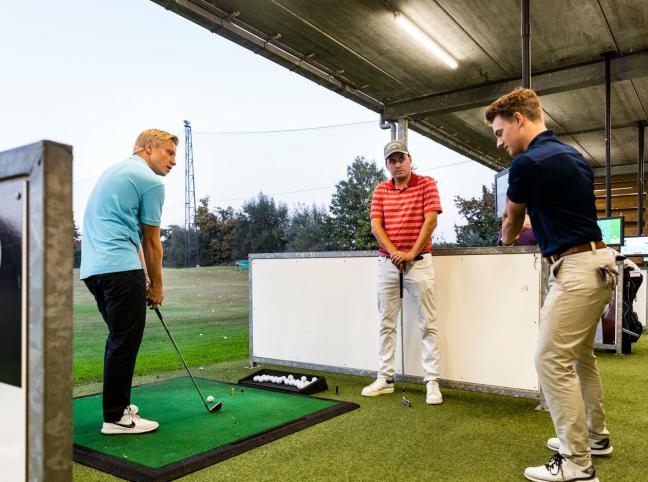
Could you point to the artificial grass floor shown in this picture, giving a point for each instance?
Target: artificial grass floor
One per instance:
(186, 428)
(471, 437)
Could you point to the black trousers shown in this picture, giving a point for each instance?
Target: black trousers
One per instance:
(121, 299)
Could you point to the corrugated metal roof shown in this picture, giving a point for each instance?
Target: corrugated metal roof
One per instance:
(354, 48)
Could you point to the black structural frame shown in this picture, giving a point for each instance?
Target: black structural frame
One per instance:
(139, 473)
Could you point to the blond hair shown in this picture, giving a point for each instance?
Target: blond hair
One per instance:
(524, 101)
(155, 136)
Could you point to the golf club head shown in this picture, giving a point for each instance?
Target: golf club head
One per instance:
(406, 403)
(216, 407)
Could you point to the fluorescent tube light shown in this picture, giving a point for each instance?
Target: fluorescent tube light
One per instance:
(407, 25)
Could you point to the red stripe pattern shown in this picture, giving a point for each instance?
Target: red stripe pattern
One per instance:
(402, 210)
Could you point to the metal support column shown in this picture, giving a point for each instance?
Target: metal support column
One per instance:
(640, 180)
(526, 45)
(608, 137)
(402, 129)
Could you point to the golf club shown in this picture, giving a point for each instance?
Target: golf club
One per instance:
(218, 405)
(406, 402)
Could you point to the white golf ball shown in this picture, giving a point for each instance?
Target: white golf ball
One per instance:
(255, 378)
(290, 377)
(210, 398)
(314, 380)
(303, 379)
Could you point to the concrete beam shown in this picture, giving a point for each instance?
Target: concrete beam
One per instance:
(617, 170)
(625, 67)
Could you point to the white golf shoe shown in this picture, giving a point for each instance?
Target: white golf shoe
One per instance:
(597, 447)
(379, 387)
(560, 469)
(130, 423)
(433, 394)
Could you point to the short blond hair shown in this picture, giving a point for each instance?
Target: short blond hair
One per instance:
(524, 101)
(155, 136)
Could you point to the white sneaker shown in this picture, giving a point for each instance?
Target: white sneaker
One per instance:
(560, 469)
(597, 447)
(130, 423)
(379, 387)
(433, 396)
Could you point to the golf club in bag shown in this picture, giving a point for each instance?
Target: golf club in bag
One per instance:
(218, 405)
(406, 402)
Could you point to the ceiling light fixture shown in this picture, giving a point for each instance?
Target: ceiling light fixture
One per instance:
(407, 25)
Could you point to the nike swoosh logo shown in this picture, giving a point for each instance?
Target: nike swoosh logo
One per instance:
(130, 425)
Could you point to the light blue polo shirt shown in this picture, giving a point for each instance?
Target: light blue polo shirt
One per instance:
(126, 196)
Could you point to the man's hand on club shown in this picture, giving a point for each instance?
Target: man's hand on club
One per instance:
(154, 296)
(400, 258)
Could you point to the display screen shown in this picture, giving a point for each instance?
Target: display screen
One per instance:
(612, 230)
(11, 227)
(501, 186)
(635, 246)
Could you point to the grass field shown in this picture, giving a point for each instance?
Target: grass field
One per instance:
(472, 437)
(207, 313)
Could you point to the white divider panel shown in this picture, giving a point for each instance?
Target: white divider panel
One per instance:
(639, 304)
(322, 311)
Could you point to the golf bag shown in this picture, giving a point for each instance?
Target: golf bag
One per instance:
(632, 327)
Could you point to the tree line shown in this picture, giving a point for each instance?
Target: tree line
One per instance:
(222, 235)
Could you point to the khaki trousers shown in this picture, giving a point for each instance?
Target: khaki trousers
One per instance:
(418, 280)
(565, 359)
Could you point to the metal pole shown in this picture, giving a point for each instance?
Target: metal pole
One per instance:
(608, 138)
(526, 45)
(640, 180)
(402, 130)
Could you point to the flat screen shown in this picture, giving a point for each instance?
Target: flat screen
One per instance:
(501, 185)
(635, 246)
(612, 230)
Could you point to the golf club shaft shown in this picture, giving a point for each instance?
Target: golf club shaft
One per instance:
(166, 328)
(400, 279)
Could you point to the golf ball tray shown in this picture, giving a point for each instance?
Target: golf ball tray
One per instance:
(285, 381)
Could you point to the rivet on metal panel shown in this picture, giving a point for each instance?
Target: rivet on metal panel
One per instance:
(18, 195)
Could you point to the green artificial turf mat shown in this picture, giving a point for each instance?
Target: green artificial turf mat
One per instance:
(189, 437)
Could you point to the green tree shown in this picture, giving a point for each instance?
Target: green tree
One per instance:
(260, 227)
(215, 231)
(173, 246)
(350, 226)
(308, 229)
(76, 243)
(481, 228)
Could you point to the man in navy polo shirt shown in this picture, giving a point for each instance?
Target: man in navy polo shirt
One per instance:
(556, 185)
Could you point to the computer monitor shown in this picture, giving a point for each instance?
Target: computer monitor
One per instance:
(635, 246)
(501, 185)
(612, 230)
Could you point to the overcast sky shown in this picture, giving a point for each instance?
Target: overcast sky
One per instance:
(93, 74)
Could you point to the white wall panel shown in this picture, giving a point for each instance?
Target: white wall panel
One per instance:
(322, 311)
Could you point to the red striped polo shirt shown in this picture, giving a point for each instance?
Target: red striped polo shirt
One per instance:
(402, 210)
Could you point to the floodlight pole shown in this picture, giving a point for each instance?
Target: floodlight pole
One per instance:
(190, 196)
(526, 45)
(640, 179)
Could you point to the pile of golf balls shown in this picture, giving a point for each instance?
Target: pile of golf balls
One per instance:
(283, 380)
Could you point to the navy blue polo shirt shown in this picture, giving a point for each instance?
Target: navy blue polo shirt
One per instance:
(557, 185)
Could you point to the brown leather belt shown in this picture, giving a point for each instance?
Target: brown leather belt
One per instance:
(580, 248)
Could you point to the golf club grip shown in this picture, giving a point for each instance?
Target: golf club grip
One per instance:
(400, 284)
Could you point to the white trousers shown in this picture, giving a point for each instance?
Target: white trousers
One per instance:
(565, 359)
(418, 281)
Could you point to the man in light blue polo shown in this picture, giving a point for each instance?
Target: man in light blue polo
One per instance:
(121, 220)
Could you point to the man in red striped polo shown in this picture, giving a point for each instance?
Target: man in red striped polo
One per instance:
(403, 216)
